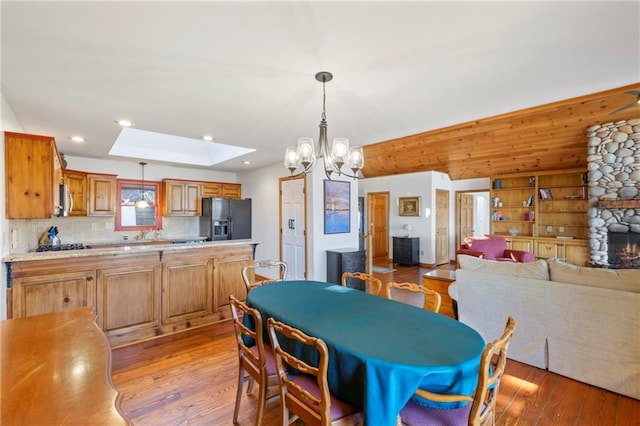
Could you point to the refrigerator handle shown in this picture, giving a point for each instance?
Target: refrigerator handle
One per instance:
(293, 224)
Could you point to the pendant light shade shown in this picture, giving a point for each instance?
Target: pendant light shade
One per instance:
(142, 203)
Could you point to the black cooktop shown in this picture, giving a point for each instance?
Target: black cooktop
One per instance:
(75, 246)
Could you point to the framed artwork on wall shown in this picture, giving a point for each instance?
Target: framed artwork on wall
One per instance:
(337, 207)
(409, 206)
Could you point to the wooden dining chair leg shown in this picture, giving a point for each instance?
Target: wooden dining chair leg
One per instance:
(262, 395)
(236, 409)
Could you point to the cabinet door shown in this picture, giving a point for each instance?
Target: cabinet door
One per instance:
(187, 290)
(231, 190)
(181, 198)
(211, 189)
(577, 253)
(128, 298)
(77, 182)
(102, 195)
(228, 280)
(30, 177)
(546, 249)
(53, 293)
(520, 244)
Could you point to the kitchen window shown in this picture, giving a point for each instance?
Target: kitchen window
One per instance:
(130, 216)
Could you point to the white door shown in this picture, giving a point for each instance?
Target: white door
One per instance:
(292, 213)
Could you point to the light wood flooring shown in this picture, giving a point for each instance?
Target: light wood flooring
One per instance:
(190, 379)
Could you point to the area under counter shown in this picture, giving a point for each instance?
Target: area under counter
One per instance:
(138, 293)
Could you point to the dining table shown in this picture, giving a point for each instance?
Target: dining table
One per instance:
(380, 351)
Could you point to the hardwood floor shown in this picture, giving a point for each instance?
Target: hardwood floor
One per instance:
(190, 379)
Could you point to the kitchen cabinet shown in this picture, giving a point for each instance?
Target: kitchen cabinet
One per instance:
(42, 292)
(128, 297)
(221, 190)
(227, 280)
(406, 250)
(187, 288)
(33, 174)
(102, 194)
(181, 198)
(77, 183)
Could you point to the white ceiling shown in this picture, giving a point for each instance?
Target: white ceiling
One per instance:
(244, 71)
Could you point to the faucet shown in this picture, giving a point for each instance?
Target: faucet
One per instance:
(142, 235)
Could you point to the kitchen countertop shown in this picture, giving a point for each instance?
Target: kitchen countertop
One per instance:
(135, 246)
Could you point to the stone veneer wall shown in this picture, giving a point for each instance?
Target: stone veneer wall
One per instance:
(614, 174)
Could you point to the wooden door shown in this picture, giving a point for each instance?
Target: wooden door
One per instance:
(442, 226)
(187, 289)
(379, 224)
(293, 227)
(466, 217)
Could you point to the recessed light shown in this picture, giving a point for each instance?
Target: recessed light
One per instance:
(77, 139)
(207, 138)
(246, 162)
(125, 123)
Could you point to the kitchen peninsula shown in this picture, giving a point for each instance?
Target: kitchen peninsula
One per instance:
(139, 291)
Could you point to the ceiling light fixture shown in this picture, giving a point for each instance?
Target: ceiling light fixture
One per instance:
(307, 155)
(77, 139)
(207, 138)
(125, 123)
(142, 203)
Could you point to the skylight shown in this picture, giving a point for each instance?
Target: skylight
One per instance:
(137, 143)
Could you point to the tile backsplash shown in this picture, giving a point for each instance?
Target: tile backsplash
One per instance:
(92, 230)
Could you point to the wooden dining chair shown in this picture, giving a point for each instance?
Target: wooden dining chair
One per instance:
(482, 407)
(432, 299)
(372, 284)
(256, 362)
(307, 394)
(248, 273)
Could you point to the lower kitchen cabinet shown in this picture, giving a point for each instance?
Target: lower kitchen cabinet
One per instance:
(187, 290)
(57, 292)
(128, 298)
(228, 281)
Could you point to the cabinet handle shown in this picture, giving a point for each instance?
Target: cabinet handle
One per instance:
(89, 278)
(293, 224)
(66, 299)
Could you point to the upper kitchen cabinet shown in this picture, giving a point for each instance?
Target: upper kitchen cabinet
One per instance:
(221, 190)
(181, 198)
(77, 183)
(33, 176)
(102, 194)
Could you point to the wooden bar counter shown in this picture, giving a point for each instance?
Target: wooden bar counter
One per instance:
(56, 369)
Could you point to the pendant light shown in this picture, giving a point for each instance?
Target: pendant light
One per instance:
(142, 203)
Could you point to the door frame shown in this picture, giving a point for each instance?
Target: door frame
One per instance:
(458, 195)
(369, 225)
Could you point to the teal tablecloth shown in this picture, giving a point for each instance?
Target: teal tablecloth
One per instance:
(380, 351)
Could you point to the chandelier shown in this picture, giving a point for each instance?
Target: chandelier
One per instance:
(307, 155)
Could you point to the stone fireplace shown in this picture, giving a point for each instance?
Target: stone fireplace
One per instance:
(614, 193)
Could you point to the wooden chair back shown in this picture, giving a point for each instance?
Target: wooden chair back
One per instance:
(372, 284)
(248, 273)
(253, 356)
(492, 364)
(432, 299)
(306, 394)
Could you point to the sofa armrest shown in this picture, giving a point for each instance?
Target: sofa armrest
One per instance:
(520, 255)
(470, 252)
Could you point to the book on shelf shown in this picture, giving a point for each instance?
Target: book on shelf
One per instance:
(545, 194)
(530, 201)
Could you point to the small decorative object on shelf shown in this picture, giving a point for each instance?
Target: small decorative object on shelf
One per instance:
(513, 232)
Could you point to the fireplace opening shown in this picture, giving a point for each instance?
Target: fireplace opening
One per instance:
(624, 250)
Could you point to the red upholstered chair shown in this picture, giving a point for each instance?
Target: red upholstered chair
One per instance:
(494, 248)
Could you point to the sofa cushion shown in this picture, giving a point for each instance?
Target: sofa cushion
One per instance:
(615, 279)
(537, 269)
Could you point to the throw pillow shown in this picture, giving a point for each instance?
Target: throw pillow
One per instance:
(537, 269)
(615, 279)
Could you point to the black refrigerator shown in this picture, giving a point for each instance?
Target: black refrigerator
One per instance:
(225, 219)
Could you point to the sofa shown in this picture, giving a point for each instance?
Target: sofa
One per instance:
(580, 322)
(493, 248)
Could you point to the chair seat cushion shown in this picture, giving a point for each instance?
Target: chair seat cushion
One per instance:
(416, 415)
(339, 409)
(270, 360)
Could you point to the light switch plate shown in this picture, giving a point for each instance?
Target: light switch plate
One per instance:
(549, 228)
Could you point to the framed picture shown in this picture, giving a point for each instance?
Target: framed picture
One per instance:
(337, 207)
(409, 206)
